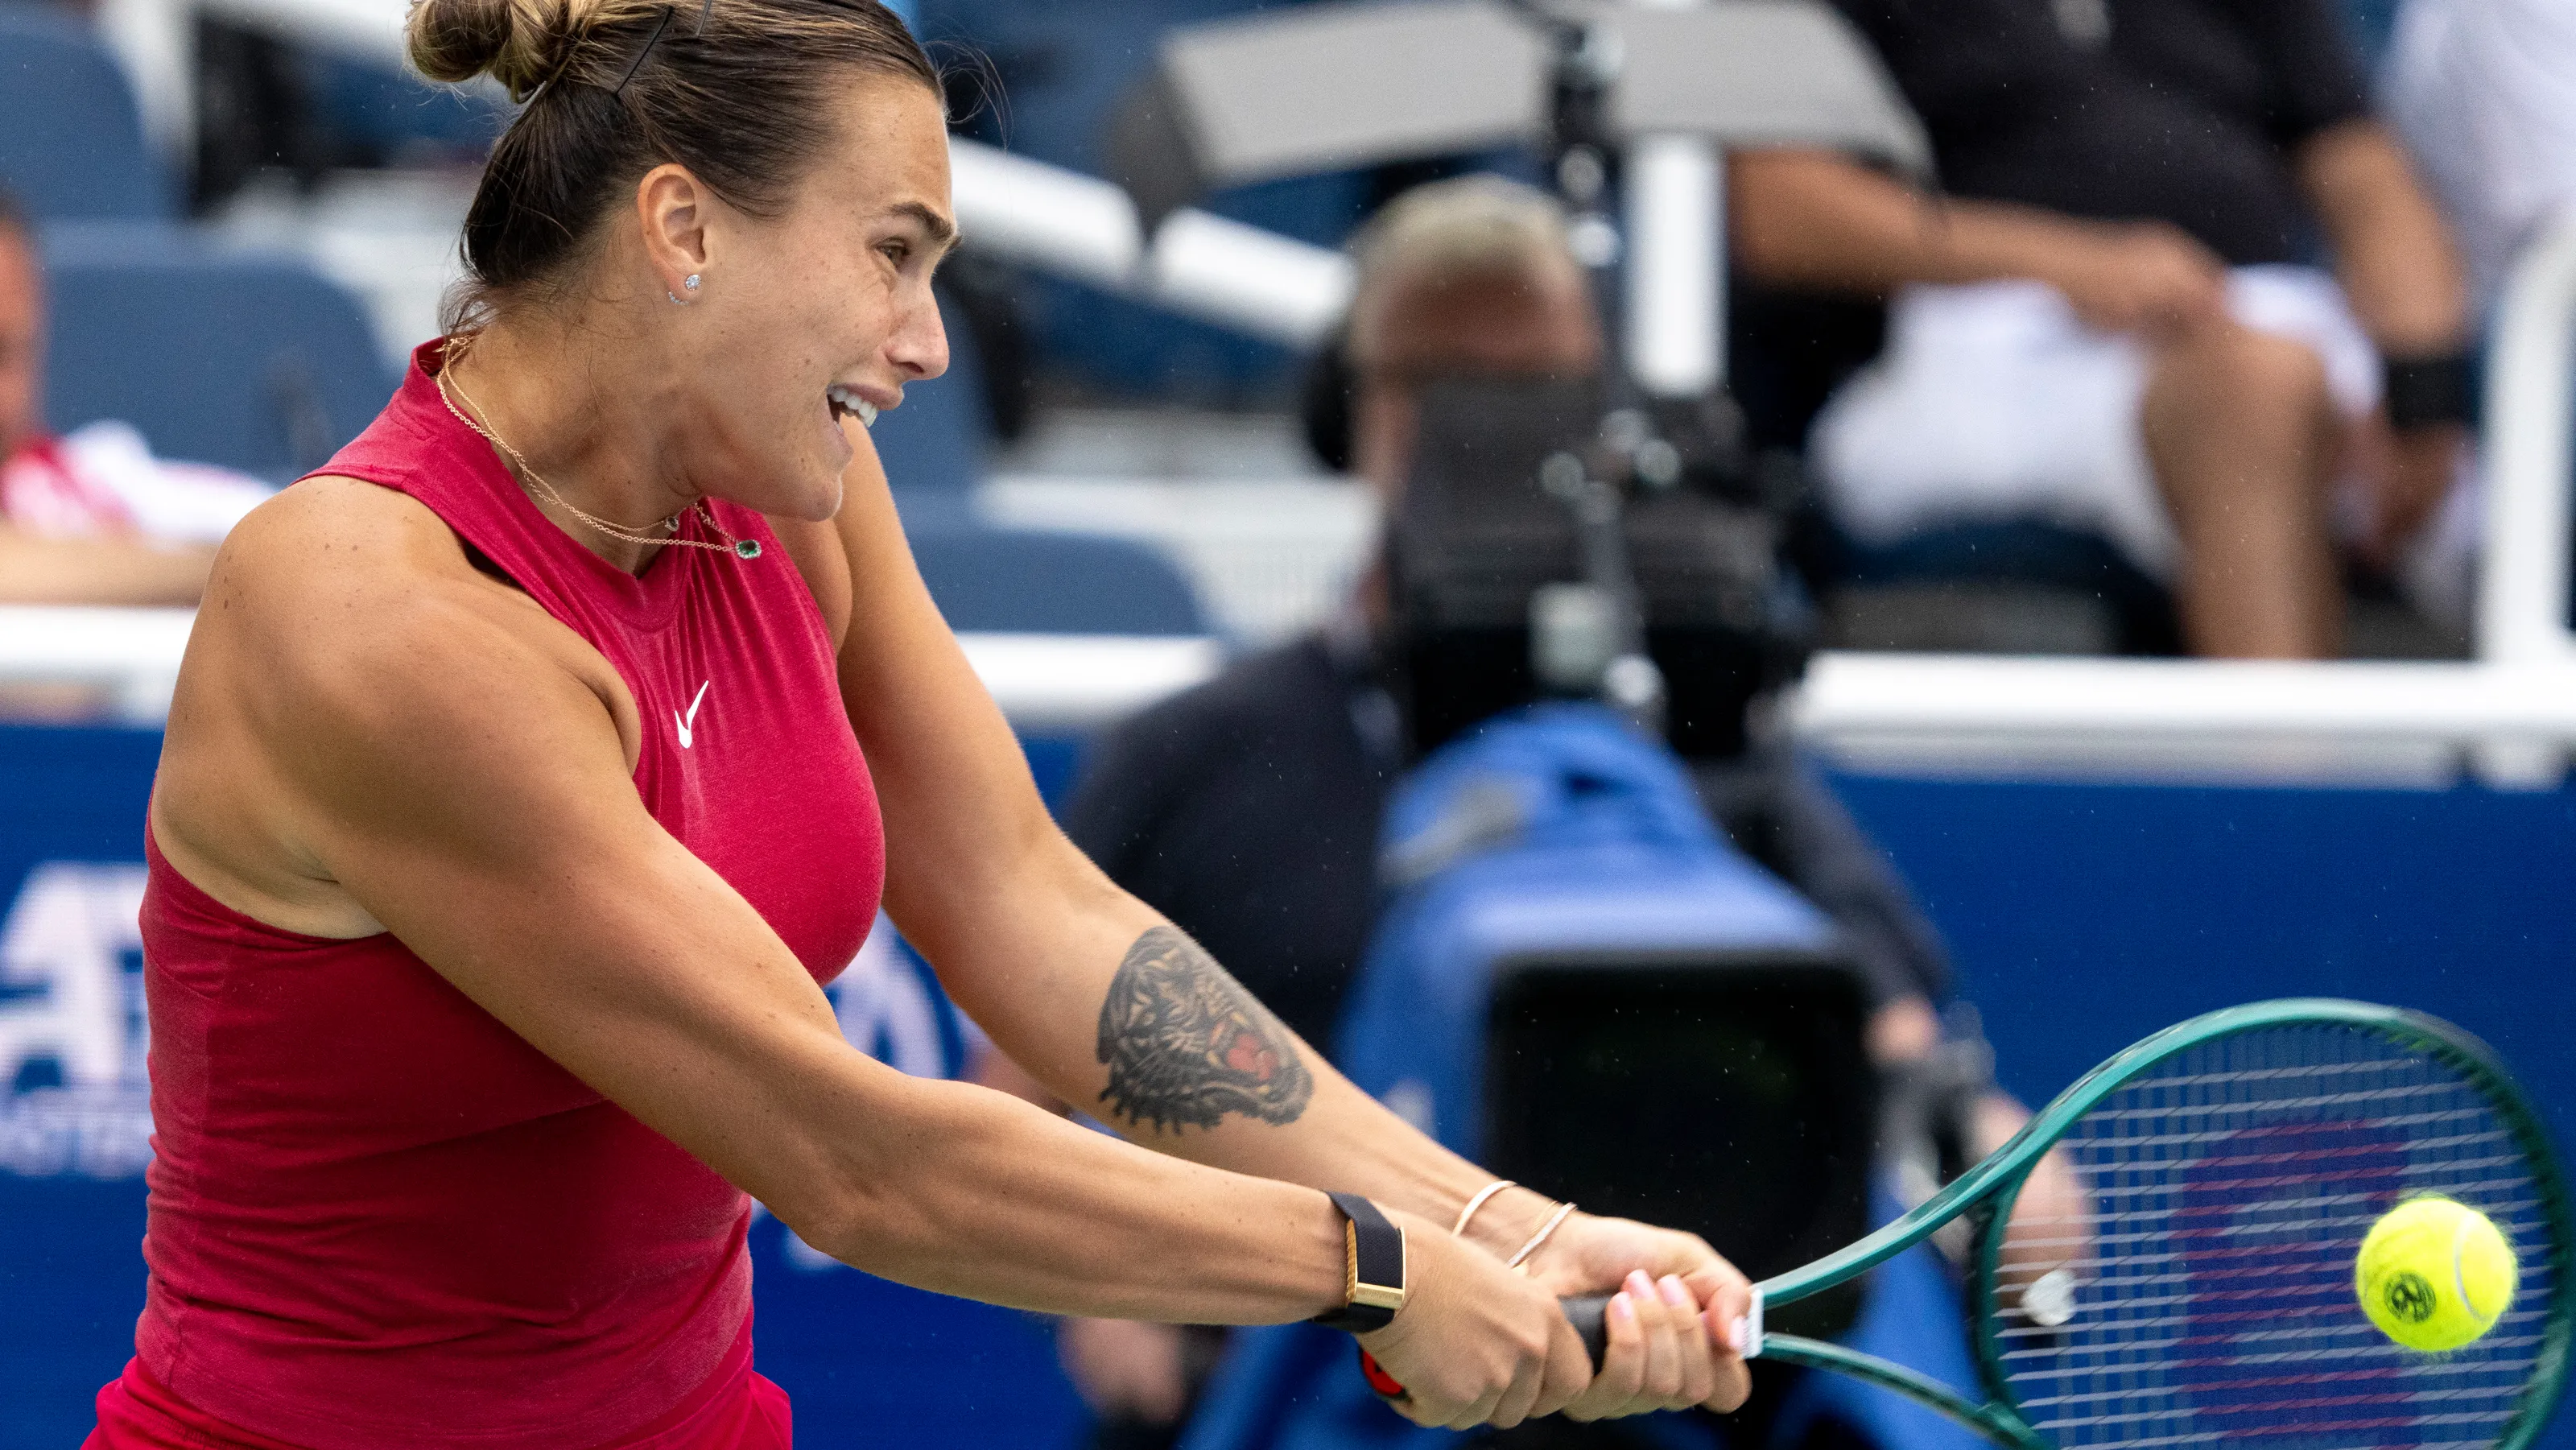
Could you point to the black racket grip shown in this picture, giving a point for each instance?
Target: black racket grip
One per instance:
(1586, 1313)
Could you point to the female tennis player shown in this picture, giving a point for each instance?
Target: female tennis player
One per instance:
(535, 762)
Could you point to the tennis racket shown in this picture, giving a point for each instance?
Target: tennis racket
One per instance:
(2193, 1282)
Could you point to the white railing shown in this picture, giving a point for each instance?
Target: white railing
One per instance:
(2531, 396)
(130, 655)
(1046, 683)
(1197, 264)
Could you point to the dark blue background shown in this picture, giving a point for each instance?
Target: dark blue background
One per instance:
(2083, 917)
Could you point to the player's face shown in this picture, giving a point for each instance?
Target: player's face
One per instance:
(828, 304)
(22, 329)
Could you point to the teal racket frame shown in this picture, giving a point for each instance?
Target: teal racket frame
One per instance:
(1995, 1182)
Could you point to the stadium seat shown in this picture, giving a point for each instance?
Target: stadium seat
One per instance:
(248, 360)
(934, 444)
(1060, 68)
(1029, 581)
(2017, 587)
(71, 142)
(1034, 581)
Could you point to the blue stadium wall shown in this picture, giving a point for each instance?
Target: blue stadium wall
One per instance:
(2082, 916)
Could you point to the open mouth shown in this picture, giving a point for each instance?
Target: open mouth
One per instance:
(847, 404)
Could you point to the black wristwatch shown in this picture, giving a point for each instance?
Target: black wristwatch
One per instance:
(2430, 391)
(1374, 1249)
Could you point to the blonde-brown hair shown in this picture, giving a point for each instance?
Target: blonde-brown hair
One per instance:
(737, 91)
(1464, 228)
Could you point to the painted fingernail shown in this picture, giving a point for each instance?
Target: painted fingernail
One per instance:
(1675, 1294)
(1640, 1285)
(1735, 1335)
(1621, 1309)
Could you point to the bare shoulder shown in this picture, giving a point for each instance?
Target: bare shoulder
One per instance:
(337, 544)
(337, 601)
(346, 640)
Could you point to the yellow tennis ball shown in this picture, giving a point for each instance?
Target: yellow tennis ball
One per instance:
(2434, 1274)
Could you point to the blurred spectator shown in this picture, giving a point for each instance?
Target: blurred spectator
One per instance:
(2110, 322)
(1248, 809)
(91, 518)
(2485, 93)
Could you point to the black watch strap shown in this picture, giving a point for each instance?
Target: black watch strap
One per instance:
(1373, 1253)
(2427, 392)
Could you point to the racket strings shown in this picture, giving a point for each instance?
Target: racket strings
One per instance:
(2212, 1210)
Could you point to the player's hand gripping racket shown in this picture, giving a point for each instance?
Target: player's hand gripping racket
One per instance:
(2202, 1285)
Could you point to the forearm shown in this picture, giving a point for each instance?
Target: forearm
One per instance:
(1118, 1013)
(98, 571)
(2392, 252)
(965, 1191)
(1815, 219)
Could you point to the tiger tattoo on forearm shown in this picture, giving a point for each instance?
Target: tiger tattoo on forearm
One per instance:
(1185, 1044)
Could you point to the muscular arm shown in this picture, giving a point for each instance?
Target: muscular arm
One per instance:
(1097, 996)
(36, 570)
(433, 746)
(1818, 220)
(1111, 1008)
(2406, 283)
(2392, 252)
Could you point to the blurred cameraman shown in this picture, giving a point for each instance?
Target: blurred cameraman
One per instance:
(1248, 809)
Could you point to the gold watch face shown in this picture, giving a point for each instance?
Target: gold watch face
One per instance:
(1379, 1296)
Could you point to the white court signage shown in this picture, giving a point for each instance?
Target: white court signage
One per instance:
(73, 1034)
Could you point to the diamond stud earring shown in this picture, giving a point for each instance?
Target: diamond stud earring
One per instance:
(688, 283)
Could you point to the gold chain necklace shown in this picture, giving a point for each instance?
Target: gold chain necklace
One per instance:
(449, 393)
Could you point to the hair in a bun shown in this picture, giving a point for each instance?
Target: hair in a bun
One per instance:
(520, 43)
(738, 91)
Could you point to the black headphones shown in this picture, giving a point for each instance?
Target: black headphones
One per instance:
(1324, 401)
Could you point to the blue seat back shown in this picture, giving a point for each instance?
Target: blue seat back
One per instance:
(1064, 65)
(934, 444)
(1031, 581)
(252, 361)
(71, 142)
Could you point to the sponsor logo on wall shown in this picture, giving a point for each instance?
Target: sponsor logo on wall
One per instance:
(73, 1036)
(75, 1095)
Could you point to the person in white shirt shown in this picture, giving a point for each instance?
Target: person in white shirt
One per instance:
(2484, 92)
(92, 517)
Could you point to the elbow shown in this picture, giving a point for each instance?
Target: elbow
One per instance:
(1771, 223)
(1755, 237)
(894, 1201)
(1816, 219)
(1762, 253)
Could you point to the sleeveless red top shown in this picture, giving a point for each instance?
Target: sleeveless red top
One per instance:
(380, 1218)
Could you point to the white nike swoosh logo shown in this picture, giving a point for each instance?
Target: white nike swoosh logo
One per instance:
(684, 721)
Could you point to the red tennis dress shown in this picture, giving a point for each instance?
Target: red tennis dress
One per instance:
(379, 1219)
